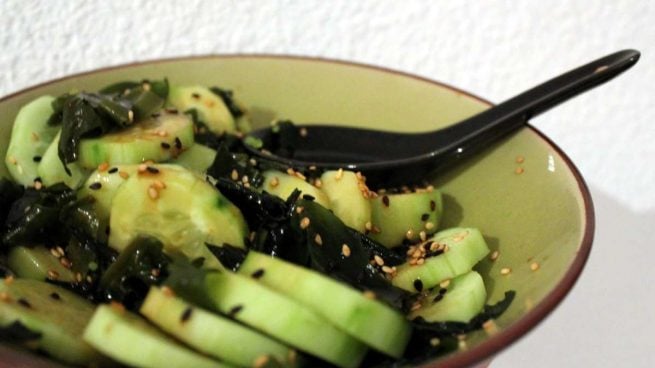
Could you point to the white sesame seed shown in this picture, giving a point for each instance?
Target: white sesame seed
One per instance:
(345, 250)
(494, 255)
(153, 193)
(534, 266)
(379, 260)
(274, 182)
(505, 271)
(234, 175)
(318, 240)
(339, 174)
(304, 223)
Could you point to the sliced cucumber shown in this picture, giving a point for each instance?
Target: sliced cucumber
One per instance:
(177, 207)
(282, 185)
(461, 300)
(460, 250)
(57, 314)
(128, 339)
(52, 171)
(208, 332)
(266, 310)
(197, 158)
(368, 320)
(397, 217)
(30, 137)
(158, 138)
(348, 196)
(103, 184)
(37, 263)
(211, 109)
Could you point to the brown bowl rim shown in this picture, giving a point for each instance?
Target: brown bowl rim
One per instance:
(496, 343)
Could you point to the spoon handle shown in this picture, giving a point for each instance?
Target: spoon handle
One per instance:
(513, 113)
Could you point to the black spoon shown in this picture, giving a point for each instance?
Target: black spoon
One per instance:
(391, 159)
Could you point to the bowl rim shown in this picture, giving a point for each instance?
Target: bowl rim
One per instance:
(507, 336)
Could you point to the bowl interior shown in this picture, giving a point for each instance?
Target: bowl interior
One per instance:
(523, 193)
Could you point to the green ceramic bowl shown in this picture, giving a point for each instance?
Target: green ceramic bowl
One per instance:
(524, 194)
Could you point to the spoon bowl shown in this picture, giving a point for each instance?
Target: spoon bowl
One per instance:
(390, 158)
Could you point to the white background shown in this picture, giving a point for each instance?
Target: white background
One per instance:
(491, 48)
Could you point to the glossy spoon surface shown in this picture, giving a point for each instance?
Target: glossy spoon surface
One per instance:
(392, 158)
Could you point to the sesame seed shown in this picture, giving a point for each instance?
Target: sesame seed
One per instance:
(65, 262)
(318, 240)
(124, 175)
(167, 291)
(60, 250)
(300, 176)
(387, 269)
(304, 223)
(425, 216)
(245, 179)
(461, 236)
(186, 314)
(152, 170)
(4, 296)
(165, 145)
(95, 186)
(171, 110)
(368, 294)
(159, 184)
(54, 252)
(153, 193)
(520, 159)
(55, 296)
(433, 205)
(423, 236)
(409, 234)
(36, 158)
(505, 271)
(368, 226)
(261, 361)
(155, 272)
(24, 303)
(118, 307)
(416, 306)
(299, 209)
(103, 167)
(534, 266)
(494, 255)
(519, 171)
(490, 326)
(437, 298)
(318, 183)
(290, 171)
(385, 201)
(444, 284)
(274, 182)
(418, 285)
(339, 174)
(130, 116)
(162, 133)
(234, 175)
(420, 261)
(142, 168)
(258, 273)
(78, 277)
(195, 95)
(345, 250)
(38, 185)
(178, 143)
(303, 132)
(435, 341)
(379, 260)
(12, 160)
(89, 279)
(429, 225)
(53, 275)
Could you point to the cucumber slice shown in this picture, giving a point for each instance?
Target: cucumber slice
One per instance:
(465, 248)
(177, 207)
(461, 300)
(266, 310)
(30, 137)
(158, 138)
(348, 196)
(52, 171)
(57, 314)
(37, 263)
(102, 186)
(208, 332)
(368, 320)
(397, 217)
(211, 109)
(128, 339)
(282, 185)
(197, 158)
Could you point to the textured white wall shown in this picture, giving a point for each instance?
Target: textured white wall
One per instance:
(492, 48)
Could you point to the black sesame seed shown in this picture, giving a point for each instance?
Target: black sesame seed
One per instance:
(385, 201)
(418, 285)
(171, 111)
(24, 303)
(38, 178)
(437, 298)
(165, 145)
(95, 186)
(236, 309)
(178, 143)
(433, 205)
(152, 170)
(186, 315)
(195, 95)
(107, 230)
(36, 158)
(425, 216)
(55, 296)
(113, 170)
(442, 291)
(155, 115)
(257, 274)
(308, 197)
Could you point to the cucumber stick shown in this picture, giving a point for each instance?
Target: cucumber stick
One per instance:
(158, 138)
(37, 263)
(462, 248)
(30, 137)
(197, 158)
(462, 299)
(57, 314)
(128, 339)
(177, 207)
(208, 332)
(274, 314)
(368, 320)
